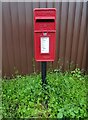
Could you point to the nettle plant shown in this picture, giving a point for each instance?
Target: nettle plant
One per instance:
(64, 96)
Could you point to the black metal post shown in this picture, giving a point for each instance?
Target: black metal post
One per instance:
(43, 75)
(43, 72)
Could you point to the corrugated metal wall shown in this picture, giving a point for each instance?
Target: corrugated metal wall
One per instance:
(17, 33)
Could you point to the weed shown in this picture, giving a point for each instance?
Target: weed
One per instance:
(64, 96)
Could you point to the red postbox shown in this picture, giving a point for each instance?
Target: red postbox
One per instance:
(44, 34)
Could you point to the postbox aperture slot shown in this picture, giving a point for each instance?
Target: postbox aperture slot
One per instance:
(45, 20)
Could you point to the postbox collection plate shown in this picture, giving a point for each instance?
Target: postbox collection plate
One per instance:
(44, 45)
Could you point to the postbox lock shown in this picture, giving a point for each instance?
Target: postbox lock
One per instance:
(45, 34)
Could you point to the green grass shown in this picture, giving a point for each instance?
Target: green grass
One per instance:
(65, 95)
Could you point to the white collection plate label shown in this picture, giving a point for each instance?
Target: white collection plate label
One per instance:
(44, 44)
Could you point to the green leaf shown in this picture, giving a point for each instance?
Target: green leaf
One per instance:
(60, 115)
